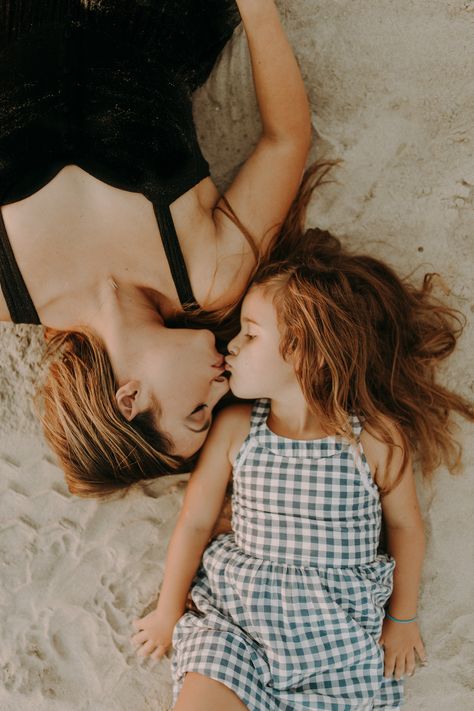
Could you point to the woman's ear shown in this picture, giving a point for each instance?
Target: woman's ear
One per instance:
(127, 397)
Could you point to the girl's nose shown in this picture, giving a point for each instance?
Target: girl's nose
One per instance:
(232, 347)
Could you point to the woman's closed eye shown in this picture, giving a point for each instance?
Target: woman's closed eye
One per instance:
(199, 408)
(196, 418)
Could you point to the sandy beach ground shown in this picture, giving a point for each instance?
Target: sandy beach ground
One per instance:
(392, 94)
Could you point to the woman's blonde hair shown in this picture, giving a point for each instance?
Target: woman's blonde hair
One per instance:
(99, 450)
(365, 341)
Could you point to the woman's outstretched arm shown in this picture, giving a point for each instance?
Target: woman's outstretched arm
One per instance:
(279, 88)
(267, 182)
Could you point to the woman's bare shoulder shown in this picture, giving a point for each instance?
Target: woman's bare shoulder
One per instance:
(219, 257)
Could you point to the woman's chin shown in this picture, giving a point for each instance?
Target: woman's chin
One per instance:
(223, 385)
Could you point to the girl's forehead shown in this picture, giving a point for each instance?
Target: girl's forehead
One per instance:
(258, 297)
(260, 293)
(258, 305)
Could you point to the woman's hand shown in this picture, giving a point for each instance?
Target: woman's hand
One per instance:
(400, 642)
(154, 634)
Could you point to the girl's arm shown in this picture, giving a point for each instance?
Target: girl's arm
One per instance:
(266, 184)
(406, 544)
(201, 507)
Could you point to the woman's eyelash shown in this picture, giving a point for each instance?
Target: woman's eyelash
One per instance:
(248, 335)
(199, 408)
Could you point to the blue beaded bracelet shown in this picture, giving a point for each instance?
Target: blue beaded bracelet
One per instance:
(403, 622)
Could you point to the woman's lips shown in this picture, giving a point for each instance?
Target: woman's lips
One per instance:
(221, 366)
(222, 378)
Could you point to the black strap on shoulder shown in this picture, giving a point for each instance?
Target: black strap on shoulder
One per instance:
(174, 256)
(19, 302)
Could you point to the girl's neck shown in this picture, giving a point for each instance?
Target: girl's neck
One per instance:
(293, 419)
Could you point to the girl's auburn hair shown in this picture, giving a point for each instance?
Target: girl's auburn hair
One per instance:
(379, 338)
(365, 341)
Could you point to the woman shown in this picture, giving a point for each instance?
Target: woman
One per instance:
(112, 227)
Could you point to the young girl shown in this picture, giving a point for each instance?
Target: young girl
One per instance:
(291, 608)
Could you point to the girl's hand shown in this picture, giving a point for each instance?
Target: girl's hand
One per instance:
(400, 642)
(154, 634)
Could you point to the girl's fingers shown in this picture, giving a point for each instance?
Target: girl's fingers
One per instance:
(400, 666)
(137, 624)
(410, 662)
(139, 638)
(159, 652)
(420, 649)
(389, 665)
(146, 649)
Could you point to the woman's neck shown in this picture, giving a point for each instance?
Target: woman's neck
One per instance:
(121, 314)
(121, 308)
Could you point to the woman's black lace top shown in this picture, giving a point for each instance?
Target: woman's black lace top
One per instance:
(106, 85)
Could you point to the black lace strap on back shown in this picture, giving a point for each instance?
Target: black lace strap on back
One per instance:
(175, 257)
(20, 305)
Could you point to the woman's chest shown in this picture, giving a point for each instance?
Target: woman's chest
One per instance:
(76, 231)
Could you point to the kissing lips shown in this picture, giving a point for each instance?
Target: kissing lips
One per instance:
(220, 378)
(221, 365)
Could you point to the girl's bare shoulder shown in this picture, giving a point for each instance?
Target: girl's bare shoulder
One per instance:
(235, 419)
(378, 451)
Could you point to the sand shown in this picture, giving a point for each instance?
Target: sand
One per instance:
(392, 94)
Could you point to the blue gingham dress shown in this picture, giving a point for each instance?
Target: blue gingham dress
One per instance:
(291, 603)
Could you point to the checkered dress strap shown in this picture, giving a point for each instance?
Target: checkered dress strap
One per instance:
(258, 418)
(356, 425)
(259, 415)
